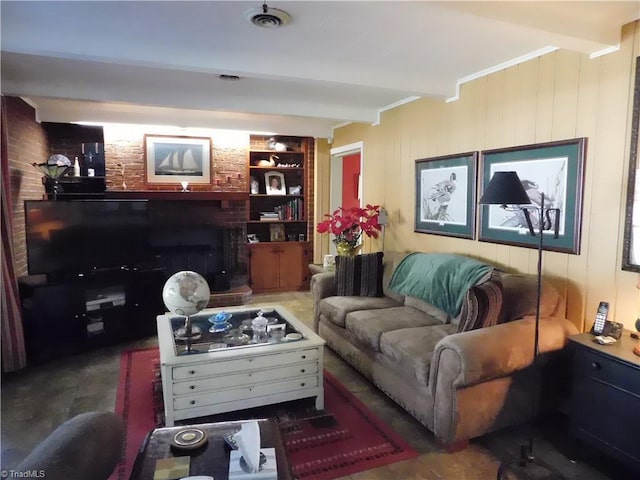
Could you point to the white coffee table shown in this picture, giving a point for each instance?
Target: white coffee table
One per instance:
(238, 376)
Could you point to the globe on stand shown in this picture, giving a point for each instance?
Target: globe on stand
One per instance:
(186, 293)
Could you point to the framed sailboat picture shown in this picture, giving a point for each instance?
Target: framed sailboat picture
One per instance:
(177, 159)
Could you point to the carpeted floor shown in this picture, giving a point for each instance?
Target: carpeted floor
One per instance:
(344, 439)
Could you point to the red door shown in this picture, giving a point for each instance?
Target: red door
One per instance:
(351, 180)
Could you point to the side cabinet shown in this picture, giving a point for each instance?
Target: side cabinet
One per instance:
(606, 397)
(279, 266)
(77, 314)
(52, 319)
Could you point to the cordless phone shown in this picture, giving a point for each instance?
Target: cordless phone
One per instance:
(601, 318)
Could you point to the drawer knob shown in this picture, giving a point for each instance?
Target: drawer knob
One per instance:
(304, 356)
(192, 387)
(192, 372)
(302, 384)
(596, 366)
(192, 402)
(302, 370)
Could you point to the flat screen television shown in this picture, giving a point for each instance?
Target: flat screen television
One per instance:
(78, 236)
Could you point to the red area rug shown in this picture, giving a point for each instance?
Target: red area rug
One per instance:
(343, 439)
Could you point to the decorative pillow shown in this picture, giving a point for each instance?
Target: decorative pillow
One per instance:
(360, 275)
(482, 305)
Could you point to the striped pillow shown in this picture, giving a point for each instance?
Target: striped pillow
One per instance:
(482, 305)
(360, 275)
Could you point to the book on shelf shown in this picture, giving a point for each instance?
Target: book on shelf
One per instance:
(291, 210)
(269, 217)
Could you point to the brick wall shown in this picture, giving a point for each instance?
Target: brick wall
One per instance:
(30, 142)
(125, 167)
(125, 170)
(229, 215)
(27, 144)
(310, 196)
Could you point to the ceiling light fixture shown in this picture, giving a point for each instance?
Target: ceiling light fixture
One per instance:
(267, 17)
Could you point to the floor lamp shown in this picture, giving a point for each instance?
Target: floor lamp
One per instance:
(505, 188)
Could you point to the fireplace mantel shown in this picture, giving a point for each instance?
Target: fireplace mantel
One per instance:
(177, 196)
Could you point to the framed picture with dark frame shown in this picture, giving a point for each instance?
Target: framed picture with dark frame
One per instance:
(555, 169)
(446, 195)
(172, 159)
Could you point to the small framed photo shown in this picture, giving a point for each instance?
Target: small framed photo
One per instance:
(274, 182)
(276, 232)
(177, 159)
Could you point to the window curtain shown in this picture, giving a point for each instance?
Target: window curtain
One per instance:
(13, 351)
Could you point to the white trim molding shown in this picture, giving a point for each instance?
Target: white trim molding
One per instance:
(605, 51)
(393, 105)
(497, 68)
(347, 149)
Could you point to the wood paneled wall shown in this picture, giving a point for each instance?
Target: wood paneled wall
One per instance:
(558, 96)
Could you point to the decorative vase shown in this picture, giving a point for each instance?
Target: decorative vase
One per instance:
(343, 248)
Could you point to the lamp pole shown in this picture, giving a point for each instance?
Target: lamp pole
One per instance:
(505, 188)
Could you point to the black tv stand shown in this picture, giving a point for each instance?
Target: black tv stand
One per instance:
(70, 313)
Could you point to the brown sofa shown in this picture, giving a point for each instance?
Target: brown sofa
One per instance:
(458, 384)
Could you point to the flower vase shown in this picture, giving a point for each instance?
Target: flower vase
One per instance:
(343, 248)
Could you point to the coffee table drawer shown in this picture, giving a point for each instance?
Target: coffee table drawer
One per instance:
(249, 391)
(195, 386)
(248, 363)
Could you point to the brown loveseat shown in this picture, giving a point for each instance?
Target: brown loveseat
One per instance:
(461, 377)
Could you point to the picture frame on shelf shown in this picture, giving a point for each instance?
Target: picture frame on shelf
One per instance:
(553, 168)
(446, 195)
(176, 159)
(274, 183)
(276, 232)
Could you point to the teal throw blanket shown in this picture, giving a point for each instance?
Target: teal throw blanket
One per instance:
(440, 279)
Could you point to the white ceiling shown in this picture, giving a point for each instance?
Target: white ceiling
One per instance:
(158, 62)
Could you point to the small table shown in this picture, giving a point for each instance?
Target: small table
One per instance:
(606, 389)
(219, 377)
(212, 458)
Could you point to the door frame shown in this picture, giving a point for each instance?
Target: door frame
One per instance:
(335, 177)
